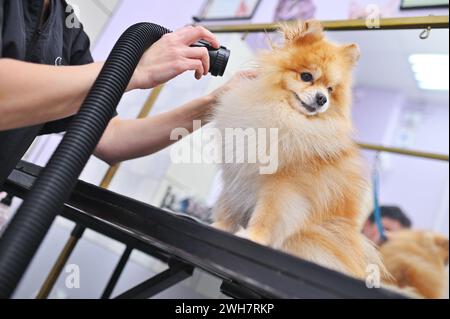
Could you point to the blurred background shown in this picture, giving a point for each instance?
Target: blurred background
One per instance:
(400, 100)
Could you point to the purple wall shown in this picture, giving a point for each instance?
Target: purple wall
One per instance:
(418, 186)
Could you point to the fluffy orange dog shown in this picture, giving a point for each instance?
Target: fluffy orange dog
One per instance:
(311, 207)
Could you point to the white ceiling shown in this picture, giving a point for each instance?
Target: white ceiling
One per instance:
(384, 61)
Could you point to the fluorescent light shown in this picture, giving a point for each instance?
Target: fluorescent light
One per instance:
(431, 71)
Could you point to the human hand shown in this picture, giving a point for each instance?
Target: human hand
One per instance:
(172, 56)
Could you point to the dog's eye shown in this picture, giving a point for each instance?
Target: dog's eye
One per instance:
(330, 89)
(307, 77)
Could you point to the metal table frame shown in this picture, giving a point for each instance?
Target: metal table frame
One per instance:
(248, 270)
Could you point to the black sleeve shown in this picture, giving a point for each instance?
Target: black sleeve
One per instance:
(80, 54)
(76, 40)
(1, 27)
(80, 47)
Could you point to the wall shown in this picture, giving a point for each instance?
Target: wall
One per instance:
(95, 15)
(418, 186)
(130, 12)
(339, 10)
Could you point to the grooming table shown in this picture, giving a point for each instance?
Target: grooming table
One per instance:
(247, 269)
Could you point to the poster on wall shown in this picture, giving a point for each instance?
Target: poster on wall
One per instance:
(214, 10)
(424, 4)
(295, 10)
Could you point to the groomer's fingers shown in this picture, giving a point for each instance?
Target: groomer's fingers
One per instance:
(194, 65)
(190, 35)
(201, 54)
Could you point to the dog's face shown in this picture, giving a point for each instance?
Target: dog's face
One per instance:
(314, 73)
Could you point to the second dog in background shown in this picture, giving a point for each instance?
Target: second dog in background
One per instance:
(312, 206)
(417, 261)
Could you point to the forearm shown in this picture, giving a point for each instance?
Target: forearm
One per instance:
(31, 94)
(129, 139)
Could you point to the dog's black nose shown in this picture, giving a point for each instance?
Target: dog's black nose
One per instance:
(321, 99)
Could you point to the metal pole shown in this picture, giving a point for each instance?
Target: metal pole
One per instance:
(401, 151)
(53, 276)
(116, 274)
(434, 22)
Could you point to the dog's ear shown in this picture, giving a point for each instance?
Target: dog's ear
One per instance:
(302, 31)
(442, 244)
(352, 53)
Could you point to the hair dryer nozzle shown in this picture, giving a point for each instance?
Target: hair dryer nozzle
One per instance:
(218, 57)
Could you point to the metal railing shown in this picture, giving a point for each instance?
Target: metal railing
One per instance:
(434, 22)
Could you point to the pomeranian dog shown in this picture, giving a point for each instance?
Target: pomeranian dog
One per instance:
(312, 205)
(417, 260)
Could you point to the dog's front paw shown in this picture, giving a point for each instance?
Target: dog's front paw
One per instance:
(223, 226)
(253, 236)
(243, 233)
